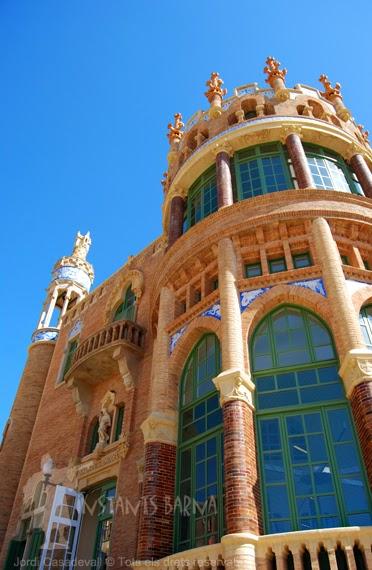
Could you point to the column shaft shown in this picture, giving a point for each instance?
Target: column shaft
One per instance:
(363, 173)
(51, 308)
(299, 161)
(242, 497)
(177, 210)
(224, 184)
(361, 404)
(231, 322)
(344, 316)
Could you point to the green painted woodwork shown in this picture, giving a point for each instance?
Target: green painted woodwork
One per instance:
(330, 171)
(119, 422)
(261, 169)
(126, 310)
(199, 478)
(104, 522)
(15, 554)
(72, 346)
(365, 320)
(277, 265)
(36, 542)
(253, 270)
(311, 471)
(201, 199)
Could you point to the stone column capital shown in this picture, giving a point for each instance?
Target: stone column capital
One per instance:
(356, 368)
(284, 132)
(222, 146)
(160, 427)
(353, 149)
(233, 385)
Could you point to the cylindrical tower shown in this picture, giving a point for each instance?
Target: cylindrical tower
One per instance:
(71, 280)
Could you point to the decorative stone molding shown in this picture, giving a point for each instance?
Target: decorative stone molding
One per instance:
(134, 278)
(290, 130)
(99, 465)
(123, 360)
(160, 427)
(222, 146)
(234, 385)
(239, 550)
(356, 368)
(81, 395)
(353, 149)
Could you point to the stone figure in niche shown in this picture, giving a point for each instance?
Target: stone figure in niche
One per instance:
(104, 427)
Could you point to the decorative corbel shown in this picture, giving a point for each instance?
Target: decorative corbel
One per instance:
(81, 395)
(123, 360)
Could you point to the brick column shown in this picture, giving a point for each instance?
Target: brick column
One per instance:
(344, 318)
(300, 165)
(242, 505)
(363, 173)
(160, 435)
(224, 185)
(356, 362)
(22, 420)
(356, 372)
(177, 210)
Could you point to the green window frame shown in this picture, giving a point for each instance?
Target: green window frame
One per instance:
(344, 259)
(104, 523)
(330, 171)
(277, 265)
(253, 270)
(71, 349)
(301, 260)
(262, 169)
(365, 321)
(309, 456)
(119, 422)
(201, 199)
(127, 309)
(199, 517)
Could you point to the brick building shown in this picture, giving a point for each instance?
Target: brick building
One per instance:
(210, 404)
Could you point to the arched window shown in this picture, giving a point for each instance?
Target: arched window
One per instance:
(126, 309)
(311, 472)
(365, 320)
(330, 171)
(199, 496)
(202, 198)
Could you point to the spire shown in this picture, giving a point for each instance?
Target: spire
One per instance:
(275, 78)
(333, 94)
(215, 94)
(81, 246)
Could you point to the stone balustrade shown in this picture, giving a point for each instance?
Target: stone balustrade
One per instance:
(346, 548)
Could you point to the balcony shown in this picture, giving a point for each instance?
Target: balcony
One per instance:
(346, 548)
(97, 357)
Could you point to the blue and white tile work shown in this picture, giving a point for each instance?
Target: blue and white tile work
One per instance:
(44, 334)
(176, 337)
(73, 274)
(76, 329)
(315, 285)
(247, 297)
(214, 311)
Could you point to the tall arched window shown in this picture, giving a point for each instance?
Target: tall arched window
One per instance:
(199, 495)
(365, 320)
(311, 472)
(126, 309)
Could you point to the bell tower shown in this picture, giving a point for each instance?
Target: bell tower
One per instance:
(72, 277)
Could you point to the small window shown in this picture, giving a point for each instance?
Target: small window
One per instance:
(345, 260)
(126, 310)
(277, 265)
(119, 422)
(214, 284)
(250, 115)
(197, 296)
(366, 264)
(253, 270)
(71, 349)
(301, 260)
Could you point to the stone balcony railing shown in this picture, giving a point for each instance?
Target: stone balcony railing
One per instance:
(347, 548)
(94, 359)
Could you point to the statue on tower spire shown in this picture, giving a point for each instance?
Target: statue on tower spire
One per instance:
(81, 245)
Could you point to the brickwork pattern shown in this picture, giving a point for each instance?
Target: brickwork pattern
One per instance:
(242, 495)
(361, 403)
(156, 526)
(23, 415)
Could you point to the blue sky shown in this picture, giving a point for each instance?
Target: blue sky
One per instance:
(87, 89)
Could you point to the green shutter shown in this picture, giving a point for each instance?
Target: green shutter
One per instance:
(37, 540)
(15, 554)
